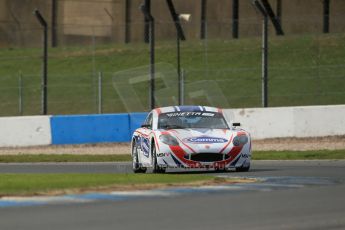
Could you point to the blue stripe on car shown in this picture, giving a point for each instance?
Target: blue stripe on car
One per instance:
(235, 161)
(177, 162)
(186, 108)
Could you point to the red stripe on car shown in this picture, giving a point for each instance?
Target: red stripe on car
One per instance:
(234, 152)
(156, 141)
(226, 144)
(190, 148)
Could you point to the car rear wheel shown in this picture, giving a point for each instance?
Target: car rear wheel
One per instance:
(156, 167)
(135, 161)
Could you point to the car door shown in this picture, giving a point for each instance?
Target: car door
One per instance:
(145, 139)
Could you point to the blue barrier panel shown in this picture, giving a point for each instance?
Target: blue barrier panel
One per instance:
(135, 120)
(80, 129)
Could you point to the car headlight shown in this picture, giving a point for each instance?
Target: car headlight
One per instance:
(240, 140)
(168, 139)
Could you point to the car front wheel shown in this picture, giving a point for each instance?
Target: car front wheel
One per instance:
(156, 167)
(135, 161)
(243, 168)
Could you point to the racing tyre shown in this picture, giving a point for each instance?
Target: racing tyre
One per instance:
(243, 169)
(221, 170)
(156, 167)
(135, 161)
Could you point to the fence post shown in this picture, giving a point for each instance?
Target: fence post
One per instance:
(181, 85)
(54, 19)
(127, 21)
(100, 99)
(20, 94)
(269, 13)
(265, 62)
(152, 64)
(279, 12)
(235, 18)
(261, 8)
(203, 19)
(146, 11)
(179, 77)
(43, 23)
(147, 4)
(326, 16)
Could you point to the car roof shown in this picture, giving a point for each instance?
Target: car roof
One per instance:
(188, 108)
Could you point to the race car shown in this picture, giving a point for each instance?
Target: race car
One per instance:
(189, 137)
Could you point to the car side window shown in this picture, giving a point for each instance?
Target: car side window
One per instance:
(148, 121)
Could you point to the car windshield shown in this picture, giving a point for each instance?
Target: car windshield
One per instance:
(181, 120)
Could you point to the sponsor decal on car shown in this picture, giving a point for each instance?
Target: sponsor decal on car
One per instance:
(205, 140)
(187, 114)
(145, 147)
(244, 155)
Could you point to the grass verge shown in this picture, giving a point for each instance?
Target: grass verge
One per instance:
(50, 184)
(257, 155)
(34, 158)
(300, 155)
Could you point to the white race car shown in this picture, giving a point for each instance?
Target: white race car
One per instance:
(189, 137)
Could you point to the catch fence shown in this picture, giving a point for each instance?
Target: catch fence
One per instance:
(90, 73)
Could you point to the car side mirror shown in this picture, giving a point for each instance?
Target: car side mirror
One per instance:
(236, 124)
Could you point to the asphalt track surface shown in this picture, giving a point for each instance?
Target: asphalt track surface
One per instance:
(318, 206)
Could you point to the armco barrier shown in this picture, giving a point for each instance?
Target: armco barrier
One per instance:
(304, 121)
(90, 129)
(81, 129)
(25, 131)
(307, 121)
